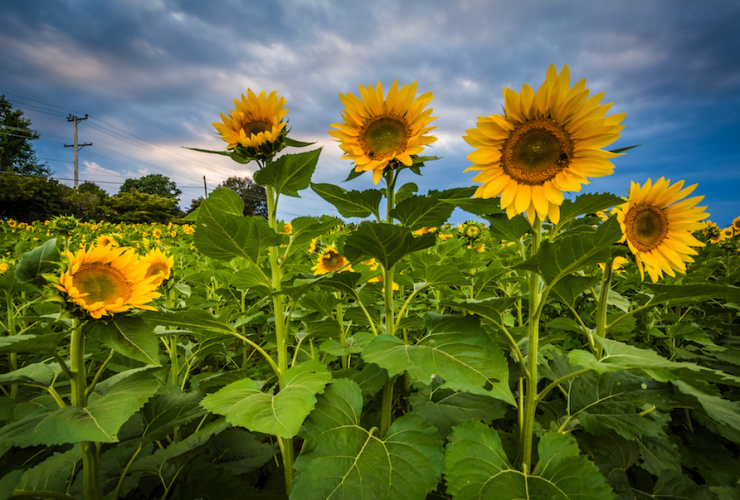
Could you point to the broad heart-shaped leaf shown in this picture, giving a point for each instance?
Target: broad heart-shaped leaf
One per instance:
(250, 277)
(444, 409)
(343, 460)
(35, 262)
(587, 203)
(476, 206)
(386, 243)
(223, 234)
(416, 212)
(35, 373)
(502, 228)
(491, 309)
(52, 474)
(225, 200)
(613, 401)
(99, 422)
(34, 340)
(620, 356)
(245, 405)
(345, 282)
(456, 348)
(568, 255)
(128, 335)
(290, 173)
(569, 288)
(162, 413)
(408, 189)
(307, 228)
(196, 321)
(722, 410)
(445, 276)
(476, 467)
(350, 203)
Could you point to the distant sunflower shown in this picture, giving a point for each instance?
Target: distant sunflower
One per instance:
(106, 280)
(657, 224)
(378, 130)
(544, 144)
(105, 240)
(255, 121)
(736, 224)
(158, 264)
(329, 261)
(3, 267)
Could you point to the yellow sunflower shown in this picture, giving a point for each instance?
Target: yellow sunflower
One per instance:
(159, 264)
(379, 279)
(104, 241)
(330, 261)
(736, 224)
(255, 121)
(657, 224)
(107, 280)
(378, 130)
(3, 267)
(546, 143)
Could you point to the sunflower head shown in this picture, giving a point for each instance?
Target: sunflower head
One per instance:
(546, 143)
(3, 267)
(736, 224)
(471, 231)
(255, 128)
(64, 224)
(329, 261)
(107, 280)
(159, 265)
(382, 131)
(657, 224)
(105, 240)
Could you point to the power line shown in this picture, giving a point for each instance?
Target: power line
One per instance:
(42, 102)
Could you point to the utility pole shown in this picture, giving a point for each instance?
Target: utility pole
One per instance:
(205, 187)
(77, 147)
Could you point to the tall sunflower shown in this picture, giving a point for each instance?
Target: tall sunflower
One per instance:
(545, 143)
(158, 264)
(107, 280)
(254, 122)
(378, 130)
(657, 223)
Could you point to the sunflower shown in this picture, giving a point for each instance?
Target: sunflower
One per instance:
(157, 233)
(379, 279)
(254, 122)
(107, 280)
(287, 228)
(104, 241)
(657, 224)
(330, 261)
(3, 267)
(158, 264)
(736, 224)
(378, 130)
(544, 144)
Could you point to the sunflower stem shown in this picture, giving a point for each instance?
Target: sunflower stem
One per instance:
(90, 458)
(13, 356)
(530, 402)
(601, 306)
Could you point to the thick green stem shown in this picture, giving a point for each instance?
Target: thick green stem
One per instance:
(90, 459)
(386, 414)
(13, 356)
(280, 333)
(530, 404)
(602, 305)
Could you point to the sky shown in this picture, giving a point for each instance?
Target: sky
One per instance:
(153, 75)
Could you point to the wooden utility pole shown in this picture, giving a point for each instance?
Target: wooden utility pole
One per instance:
(77, 147)
(205, 187)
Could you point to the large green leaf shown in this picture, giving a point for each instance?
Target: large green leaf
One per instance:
(163, 412)
(491, 309)
(128, 335)
(722, 410)
(52, 474)
(33, 340)
(587, 203)
(445, 276)
(476, 467)
(614, 456)
(343, 460)
(455, 348)
(245, 405)
(290, 173)
(568, 255)
(99, 422)
(502, 228)
(223, 234)
(569, 288)
(307, 228)
(34, 263)
(416, 212)
(35, 373)
(350, 203)
(476, 206)
(193, 320)
(445, 409)
(386, 243)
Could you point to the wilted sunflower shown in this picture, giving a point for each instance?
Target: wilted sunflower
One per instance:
(330, 261)
(158, 264)
(545, 143)
(255, 121)
(378, 130)
(106, 280)
(657, 224)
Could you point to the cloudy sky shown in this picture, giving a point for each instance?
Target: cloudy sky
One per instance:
(154, 74)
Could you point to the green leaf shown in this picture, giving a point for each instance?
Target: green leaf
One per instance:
(307, 228)
(455, 348)
(476, 467)
(587, 203)
(163, 412)
(350, 203)
(40, 260)
(386, 243)
(658, 454)
(405, 191)
(345, 282)
(225, 200)
(221, 235)
(192, 320)
(343, 460)
(445, 409)
(52, 474)
(127, 335)
(614, 456)
(245, 405)
(416, 212)
(99, 422)
(290, 173)
(35, 373)
(445, 276)
(502, 228)
(722, 410)
(39, 340)
(674, 485)
(555, 260)
(192, 216)
(476, 206)
(490, 309)
(250, 277)
(569, 288)
(296, 144)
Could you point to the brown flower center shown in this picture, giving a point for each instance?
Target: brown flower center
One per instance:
(646, 226)
(536, 151)
(332, 261)
(384, 135)
(101, 283)
(255, 127)
(157, 268)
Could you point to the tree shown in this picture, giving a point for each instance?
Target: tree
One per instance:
(253, 195)
(136, 207)
(27, 198)
(89, 202)
(16, 153)
(156, 184)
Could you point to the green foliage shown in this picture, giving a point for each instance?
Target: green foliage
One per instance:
(139, 207)
(154, 184)
(30, 198)
(350, 203)
(16, 152)
(290, 173)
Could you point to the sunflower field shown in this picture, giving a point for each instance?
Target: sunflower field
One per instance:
(570, 348)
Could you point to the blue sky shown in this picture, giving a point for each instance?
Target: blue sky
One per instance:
(154, 74)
